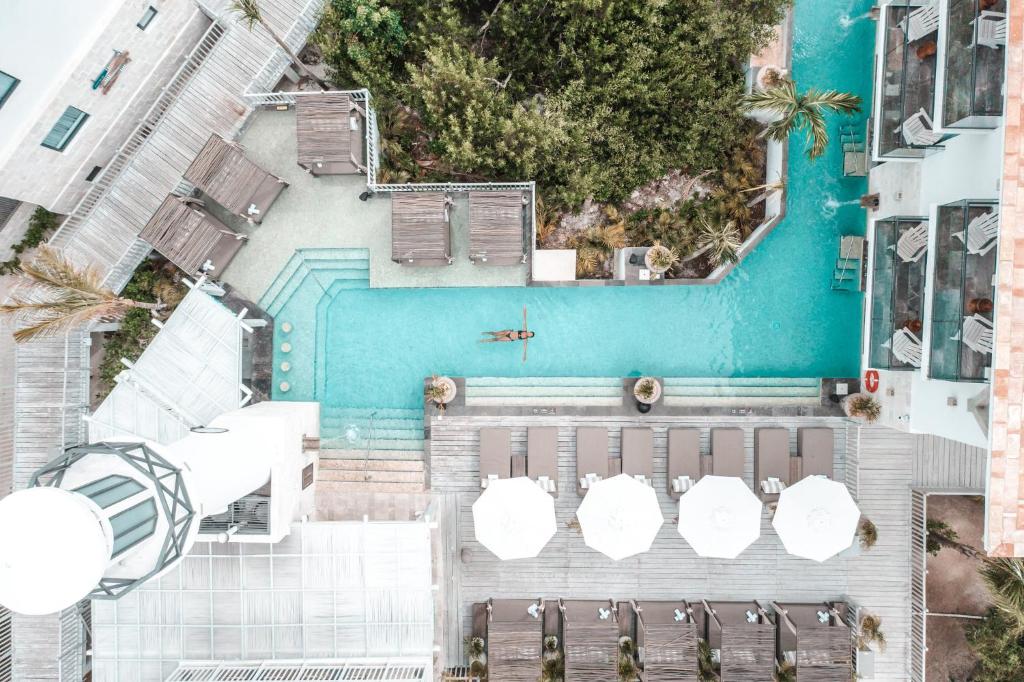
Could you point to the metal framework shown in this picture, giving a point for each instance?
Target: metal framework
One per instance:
(379, 670)
(172, 497)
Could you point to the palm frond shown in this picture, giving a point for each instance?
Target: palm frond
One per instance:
(832, 100)
(779, 99)
(248, 11)
(50, 269)
(1005, 580)
(721, 240)
(817, 133)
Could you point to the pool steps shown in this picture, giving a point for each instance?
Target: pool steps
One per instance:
(348, 268)
(742, 391)
(351, 471)
(395, 430)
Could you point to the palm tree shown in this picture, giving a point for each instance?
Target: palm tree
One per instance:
(249, 12)
(720, 239)
(767, 189)
(800, 111)
(59, 297)
(1005, 579)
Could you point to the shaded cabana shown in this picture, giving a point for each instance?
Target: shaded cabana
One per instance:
(185, 234)
(515, 636)
(669, 633)
(225, 174)
(744, 635)
(330, 134)
(420, 228)
(497, 227)
(816, 639)
(590, 638)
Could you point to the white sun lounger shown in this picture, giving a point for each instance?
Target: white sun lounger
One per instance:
(913, 243)
(918, 130)
(990, 29)
(982, 233)
(921, 22)
(905, 347)
(977, 334)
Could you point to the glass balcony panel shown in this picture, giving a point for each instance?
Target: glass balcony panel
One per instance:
(908, 81)
(973, 88)
(962, 287)
(897, 293)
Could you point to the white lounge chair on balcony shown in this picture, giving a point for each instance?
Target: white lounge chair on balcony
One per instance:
(918, 130)
(990, 29)
(977, 334)
(921, 22)
(982, 233)
(913, 243)
(905, 347)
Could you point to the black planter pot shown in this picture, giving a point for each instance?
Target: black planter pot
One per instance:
(642, 408)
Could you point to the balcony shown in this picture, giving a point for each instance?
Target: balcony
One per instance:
(974, 64)
(906, 83)
(897, 292)
(963, 289)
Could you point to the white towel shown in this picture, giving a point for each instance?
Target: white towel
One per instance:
(772, 486)
(681, 484)
(485, 481)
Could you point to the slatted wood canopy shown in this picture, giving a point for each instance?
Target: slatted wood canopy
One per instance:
(822, 652)
(747, 649)
(514, 641)
(188, 236)
(497, 227)
(591, 644)
(670, 646)
(420, 228)
(223, 171)
(330, 133)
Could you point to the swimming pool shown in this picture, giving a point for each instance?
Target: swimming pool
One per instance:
(774, 315)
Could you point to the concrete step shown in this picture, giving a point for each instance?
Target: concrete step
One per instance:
(329, 487)
(360, 476)
(361, 464)
(332, 454)
(733, 401)
(564, 391)
(542, 401)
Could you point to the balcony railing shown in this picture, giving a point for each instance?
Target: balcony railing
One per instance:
(963, 286)
(897, 291)
(907, 82)
(975, 69)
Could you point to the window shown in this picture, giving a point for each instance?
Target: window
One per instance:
(7, 85)
(65, 129)
(147, 18)
(133, 525)
(110, 490)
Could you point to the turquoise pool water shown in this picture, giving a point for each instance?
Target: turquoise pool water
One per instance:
(775, 315)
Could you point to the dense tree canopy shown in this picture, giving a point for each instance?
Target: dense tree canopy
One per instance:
(591, 98)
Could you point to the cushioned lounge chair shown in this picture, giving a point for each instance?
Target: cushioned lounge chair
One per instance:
(495, 454)
(771, 463)
(542, 456)
(815, 447)
(638, 454)
(727, 452)
(683, 460)
(591, 456)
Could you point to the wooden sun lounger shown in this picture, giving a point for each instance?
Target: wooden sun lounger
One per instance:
(771, 460)
(670, 645)
(591, 454)
(727, 453)
(683, 458)
(816, 448)
(638, 453)
(495, 454)
(514, 639)
(542, 455)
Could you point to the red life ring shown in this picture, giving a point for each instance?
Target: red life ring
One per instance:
(871, 380)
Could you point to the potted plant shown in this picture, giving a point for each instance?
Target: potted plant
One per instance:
(862, 406)
(660, 258)
(647, 391)
(476, 652)
(769, 76)
(627, 660)
(441, 390)
(785, 672)
(552, 667)
(870, 633)
(867, 533)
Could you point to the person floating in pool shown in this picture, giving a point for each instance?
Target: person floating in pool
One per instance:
(509, 335)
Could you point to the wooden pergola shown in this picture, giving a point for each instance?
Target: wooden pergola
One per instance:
(330, 131)
(747, 648)
(420, 228)
(497, 227)
(185, 234)
(514, 639)
(816, 638)
(225, 174)
(669, 634)
(591, 643)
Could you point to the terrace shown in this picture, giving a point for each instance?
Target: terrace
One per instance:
(963, 290)
(974, 69)
(897, 292)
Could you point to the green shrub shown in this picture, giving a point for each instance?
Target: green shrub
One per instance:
(40, 225)
(998, 647)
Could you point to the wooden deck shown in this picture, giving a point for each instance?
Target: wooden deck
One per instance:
(876, 580)
(940, 463)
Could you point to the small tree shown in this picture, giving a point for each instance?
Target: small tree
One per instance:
(1004, 577)
(249, 12)
(867, 533)
(720, 240)
(60, 297)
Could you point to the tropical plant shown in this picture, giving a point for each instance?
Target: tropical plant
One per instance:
(661, 258)
(552, 663)
(546, 219)
(596, 245)
(645, 388)
(998, 648)
(574, 524)
(438, 390)
(627, 666)
(766, 190)
(798, 111)
(863, 406)
(870, 632)
(785, 672)
(720, 240)
(249, 12)
(362, 41)
(707, 671)
(1004, 577)
(60, 296)
(867, 533)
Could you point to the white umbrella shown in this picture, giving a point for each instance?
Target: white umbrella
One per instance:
(514, 518)
(620, 517)
(720, 516)
(816, 518)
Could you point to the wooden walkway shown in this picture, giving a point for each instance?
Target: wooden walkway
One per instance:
(940, 463)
